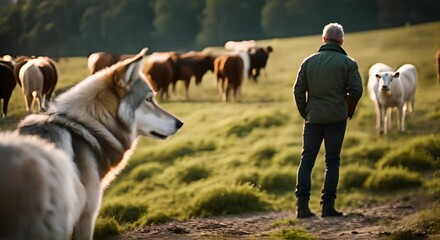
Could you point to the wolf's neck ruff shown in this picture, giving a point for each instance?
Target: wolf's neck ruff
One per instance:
(109, 151)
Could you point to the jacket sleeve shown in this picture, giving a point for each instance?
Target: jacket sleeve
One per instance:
(354, 89)
(300, 90)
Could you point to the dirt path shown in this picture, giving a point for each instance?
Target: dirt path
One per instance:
(368, 222)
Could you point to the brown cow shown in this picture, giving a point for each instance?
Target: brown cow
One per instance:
(99, 60)
(160, 71)
(229, 72)
(437, 59)
(19, 62)
(7, 84)
(49, 70)
(259, 57)
(192, 64)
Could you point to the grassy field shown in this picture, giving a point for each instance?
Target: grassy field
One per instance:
(242, 156)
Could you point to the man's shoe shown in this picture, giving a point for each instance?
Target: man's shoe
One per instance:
(328, 210)
(304, 213)
(303, 210)
(331, 213)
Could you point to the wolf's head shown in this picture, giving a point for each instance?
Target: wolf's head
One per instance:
(138, 107)
(118, 100)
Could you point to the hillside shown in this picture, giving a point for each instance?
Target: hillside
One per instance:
(258, 140)
(241, 157)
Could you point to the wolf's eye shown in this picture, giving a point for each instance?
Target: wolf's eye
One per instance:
(149, 99)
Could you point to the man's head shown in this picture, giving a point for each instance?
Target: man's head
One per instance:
(333, 32)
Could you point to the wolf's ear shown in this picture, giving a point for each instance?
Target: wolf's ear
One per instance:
(129, 69)
(135, 64)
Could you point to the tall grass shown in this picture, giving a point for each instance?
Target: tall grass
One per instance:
(291, 233)
(354, 176)
(228, 200)
(392, 179)
(416, 225)
(421, 154)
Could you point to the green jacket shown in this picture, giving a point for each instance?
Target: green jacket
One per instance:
(328, 86)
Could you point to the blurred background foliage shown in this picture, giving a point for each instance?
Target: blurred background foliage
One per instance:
(79, 27)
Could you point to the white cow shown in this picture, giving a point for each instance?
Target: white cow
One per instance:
(373, 86)
(408, 76)
(390, 90)
(240, 45)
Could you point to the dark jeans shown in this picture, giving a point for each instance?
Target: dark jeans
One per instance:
(313, 134)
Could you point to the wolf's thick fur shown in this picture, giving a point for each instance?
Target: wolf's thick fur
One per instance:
(52, 172)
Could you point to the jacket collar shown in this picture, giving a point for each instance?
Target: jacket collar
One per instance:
(332, 47)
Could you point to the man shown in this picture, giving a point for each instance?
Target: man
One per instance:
(327, 89)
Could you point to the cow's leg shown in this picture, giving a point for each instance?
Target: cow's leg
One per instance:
(5, 106)
(400, 118)
(220, 87)
(226, 89)
(3, 112)
(44, 103)
(26, 102)
(161, 93)
(411, 104)
(234, 90)
(257, 73)
(382, 112)
(174, 87)
(166, 93)
(377, 108)
(31, 101)
(389, 117)
(187, 82)
(38, 98)
(239, 93)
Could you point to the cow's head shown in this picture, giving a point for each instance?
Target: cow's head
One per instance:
(206, 64)
(258, 57)
(385, 79)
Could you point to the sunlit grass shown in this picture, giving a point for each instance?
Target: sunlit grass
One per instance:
(291, 233)
(418, 224)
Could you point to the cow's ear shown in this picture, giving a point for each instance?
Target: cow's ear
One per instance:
(396, 75)
(269, 49)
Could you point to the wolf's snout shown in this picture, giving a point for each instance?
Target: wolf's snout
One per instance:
(179, 124)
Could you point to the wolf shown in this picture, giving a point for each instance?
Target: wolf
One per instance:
(55, 165)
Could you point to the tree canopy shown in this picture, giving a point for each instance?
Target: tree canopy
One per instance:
(80, 27)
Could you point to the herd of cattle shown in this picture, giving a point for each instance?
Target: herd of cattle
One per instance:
(165, 69)
(38, 76)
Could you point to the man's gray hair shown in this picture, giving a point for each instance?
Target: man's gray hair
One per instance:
(333, 32)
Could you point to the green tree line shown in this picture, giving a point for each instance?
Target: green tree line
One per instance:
(80, 27)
